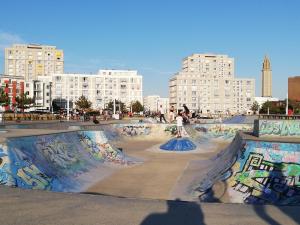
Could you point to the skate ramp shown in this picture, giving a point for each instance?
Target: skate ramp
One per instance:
(240, 119)
(66, 162)
(247, 171)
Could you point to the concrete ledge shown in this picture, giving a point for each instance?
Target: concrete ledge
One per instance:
(277, 128)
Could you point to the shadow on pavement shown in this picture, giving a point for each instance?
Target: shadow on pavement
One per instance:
(279, 192)
(179, 213)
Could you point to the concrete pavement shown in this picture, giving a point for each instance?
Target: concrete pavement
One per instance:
(34, 207)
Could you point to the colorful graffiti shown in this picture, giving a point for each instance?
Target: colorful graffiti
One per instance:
(134, 129)
(258, 173)
(98, 146)
(172, 129)
(224, 131)
(268, 173)
(56, 162)
(279, 127)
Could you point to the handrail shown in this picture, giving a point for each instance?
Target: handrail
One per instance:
(278, 117)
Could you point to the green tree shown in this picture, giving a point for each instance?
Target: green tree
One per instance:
(137, 107)
(23, 102)
(273, 108)
(255, 107)
(83, 103)
(120, 106)
(4, 99)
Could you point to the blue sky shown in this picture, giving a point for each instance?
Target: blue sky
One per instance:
(154, 36)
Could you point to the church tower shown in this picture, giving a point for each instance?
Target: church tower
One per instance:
(266, 78)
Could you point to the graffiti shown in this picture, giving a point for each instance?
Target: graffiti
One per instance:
(97, 145)
(56, 152)
(172, 129)
(55, 162)
(134, 130)
(222, 130)
(268, 173)
(21, 173)
(279, 127)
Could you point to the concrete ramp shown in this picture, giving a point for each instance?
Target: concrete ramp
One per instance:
(58, 162)
(251, 171)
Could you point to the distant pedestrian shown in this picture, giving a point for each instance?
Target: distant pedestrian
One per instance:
(162, 114)
(171, 114)
(186, 114)
(179, 120)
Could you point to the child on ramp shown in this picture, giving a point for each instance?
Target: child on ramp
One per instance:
(179, 120)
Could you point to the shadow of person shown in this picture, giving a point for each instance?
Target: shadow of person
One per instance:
(280, 189)
(179, 213)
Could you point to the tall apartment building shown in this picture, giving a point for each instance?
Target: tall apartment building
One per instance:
(153, 102)
(293, 88)
(100, 89)
(266, 78)
(31, 61)
(206, 83)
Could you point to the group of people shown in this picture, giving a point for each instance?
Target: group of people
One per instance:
(181, 118)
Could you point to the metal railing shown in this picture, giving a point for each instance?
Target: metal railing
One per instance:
(278, 117)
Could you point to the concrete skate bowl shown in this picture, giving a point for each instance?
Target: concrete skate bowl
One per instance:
(69, 161)
(251, 172)
(65, 162)
(76, 160)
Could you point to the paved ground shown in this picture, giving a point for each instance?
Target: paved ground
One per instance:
(32, 207)
(153, 179)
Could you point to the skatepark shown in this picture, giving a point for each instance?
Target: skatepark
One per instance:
(216, 172)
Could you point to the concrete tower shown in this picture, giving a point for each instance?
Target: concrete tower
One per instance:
(266, 78)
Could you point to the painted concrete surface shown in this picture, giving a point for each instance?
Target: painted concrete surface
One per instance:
(250, 171)
(254, 172)
(57, 162)
(277, 128)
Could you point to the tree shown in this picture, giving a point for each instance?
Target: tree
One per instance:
(83, 103)
(137, 107)
(23, 102)
(272, 108)
(255, 107)
(4, 99)
(120, 106)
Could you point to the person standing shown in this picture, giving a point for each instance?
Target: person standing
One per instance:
(162, 114)
(179, 120)
(171, 115)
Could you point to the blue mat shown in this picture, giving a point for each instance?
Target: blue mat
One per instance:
(178, 144)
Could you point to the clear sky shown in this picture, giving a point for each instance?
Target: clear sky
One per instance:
(153, 36)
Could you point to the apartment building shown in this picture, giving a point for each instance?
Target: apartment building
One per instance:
(100, 89)
(206, 83)
(31, 61)
(13, 86)
(153, 102)
(41, 91)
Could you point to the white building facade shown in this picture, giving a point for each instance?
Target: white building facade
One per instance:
(153, 102)
(206, 84)
(100, 89)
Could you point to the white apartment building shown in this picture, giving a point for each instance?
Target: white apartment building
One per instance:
(153, 102)
(41, 91)
(206, 83)
(100, 89)
(31, 61)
